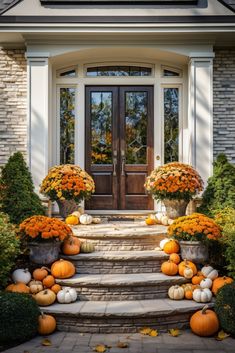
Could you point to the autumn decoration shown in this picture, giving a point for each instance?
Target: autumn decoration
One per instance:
(204, 322)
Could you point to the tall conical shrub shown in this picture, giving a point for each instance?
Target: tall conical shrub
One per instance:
(220, 191)
(17, 196)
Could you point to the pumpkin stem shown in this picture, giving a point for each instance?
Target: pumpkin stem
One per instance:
(45, 268)
(204, 309)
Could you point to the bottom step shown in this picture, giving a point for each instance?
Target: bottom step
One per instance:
(123, 317)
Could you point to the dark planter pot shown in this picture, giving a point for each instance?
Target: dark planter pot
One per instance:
(175, 208)
(194, 251)
(44, 253)
(66, 207)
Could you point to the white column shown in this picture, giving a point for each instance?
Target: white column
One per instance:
(200, 114)
(38, 117)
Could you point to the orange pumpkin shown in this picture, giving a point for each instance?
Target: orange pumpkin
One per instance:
(169, 268)
(204, 322)
(197, 279)
(219, 282)
(46, 324)
(188, 294)
(56, 288)
(40, 273)
(71, 246)
(18, 288)
(186, 263)
(171, 247)
(150, 221)
(48, 281)
(175, 258)
(62, 269)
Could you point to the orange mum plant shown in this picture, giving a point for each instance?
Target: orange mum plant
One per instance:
(43, 228)
(175, 181)
(67, 182)
(196, 227)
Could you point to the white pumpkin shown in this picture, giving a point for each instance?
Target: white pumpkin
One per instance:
(76, 213)
(206, 283)
(163, 242)
(170, 221)
(85, 219)
(188, 272)
(158, 216)
(164, 220)
(21, 275)
(176, 292)
(96, 220)
(67, 295)
(202, 295)
(209, 272)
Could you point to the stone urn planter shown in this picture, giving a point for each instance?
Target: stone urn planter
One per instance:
(44, 253)
(175, 208)
(194, 251)
(67, 207)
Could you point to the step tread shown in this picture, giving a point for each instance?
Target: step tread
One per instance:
(119, 255)
(137, 308)
(136, 279)
(118, 230)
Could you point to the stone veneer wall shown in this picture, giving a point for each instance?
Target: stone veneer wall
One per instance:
(224, 102)
(13, 101)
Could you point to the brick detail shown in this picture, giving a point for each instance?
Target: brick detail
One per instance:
(224, 102)
(13, 100)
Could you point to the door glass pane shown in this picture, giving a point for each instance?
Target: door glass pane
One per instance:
(67, 119)
(171, 124)
(101, 127)
(136, 120)
(119, 71)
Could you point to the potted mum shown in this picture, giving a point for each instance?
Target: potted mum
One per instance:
(67, 185)
(175, 184)
(44, 236)
(194, 232)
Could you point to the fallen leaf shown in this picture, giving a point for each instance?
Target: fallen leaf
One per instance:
(46, 342)
(100, 348)
(122, 345)
(153, 333)
(174, 332)
(145, 330)
(222, 335)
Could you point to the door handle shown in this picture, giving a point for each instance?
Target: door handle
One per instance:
(123, 163)
(115, 163)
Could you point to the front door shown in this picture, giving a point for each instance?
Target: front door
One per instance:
(119, 145)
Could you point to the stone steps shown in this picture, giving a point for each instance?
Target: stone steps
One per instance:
(121, 287)
(104, 262)
(123, 316)
(121, 236)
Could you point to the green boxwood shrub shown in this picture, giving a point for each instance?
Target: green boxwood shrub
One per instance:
(225, 308)
(220, 190)
(18, 318)
(17, 196)
(10, 248)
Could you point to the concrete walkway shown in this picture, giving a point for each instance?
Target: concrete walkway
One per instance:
(62, 342)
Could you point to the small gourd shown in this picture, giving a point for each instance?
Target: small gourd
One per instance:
(202, 295)
(209, 272)
(187, 287)
(188, 272)
(77, 214)
(21, 275)
(175, 258)
(188, 294)
(67, 295)
(150, 221)
(176, 292)
(206, 283)
(72, 220)
(85, 219)
(87, 247)
(197, 278)
(96, 220)
(48, 281)
(56, 288)
(35, 286)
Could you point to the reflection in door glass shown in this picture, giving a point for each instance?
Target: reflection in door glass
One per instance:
(67, 119)
(171, 124)
(101, 127)
(136, 120)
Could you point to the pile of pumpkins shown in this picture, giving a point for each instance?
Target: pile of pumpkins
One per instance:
(202, 283)
(158, 218)
(79, 217)
(42, 283)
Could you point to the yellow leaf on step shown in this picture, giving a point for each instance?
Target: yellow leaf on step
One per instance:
(122, 345)
(222, 335)
(153, 333)
(145, 330)
(174, 332)
(46, 342)
(100, 348)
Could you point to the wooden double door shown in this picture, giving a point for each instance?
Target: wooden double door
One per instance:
(119, 145)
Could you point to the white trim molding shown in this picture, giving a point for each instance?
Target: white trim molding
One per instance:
(200, 115)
